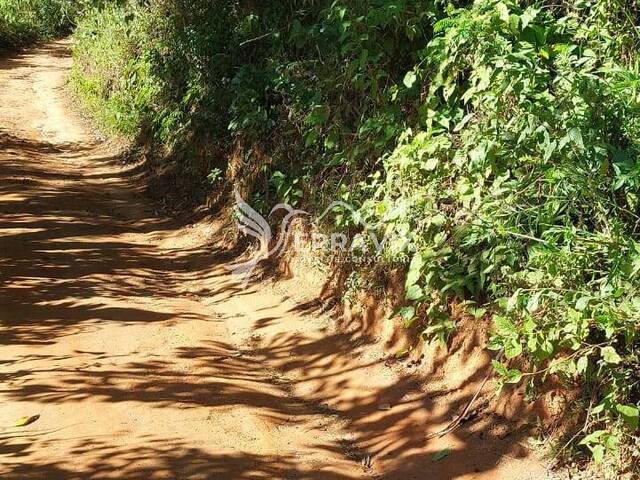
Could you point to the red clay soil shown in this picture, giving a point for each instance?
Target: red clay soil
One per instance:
(144, 359)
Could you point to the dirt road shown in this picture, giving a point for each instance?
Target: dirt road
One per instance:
(145, 360)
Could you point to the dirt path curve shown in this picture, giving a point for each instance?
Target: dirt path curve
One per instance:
(142, 357)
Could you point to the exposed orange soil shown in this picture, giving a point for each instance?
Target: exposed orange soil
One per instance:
(146, 360)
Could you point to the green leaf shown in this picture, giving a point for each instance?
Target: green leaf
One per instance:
(508, 376)
(415, 270)
(598, 453)
(592, 438)
(513, 376)
(529, 14)
(512, 349)
(549, 149)
(512, 303)
(534, 302)
(431, 163)
(310, 138)
(582, 303)
(318, 116)
(441, 454)
(609, 355)
(463, 122)
(414, 292)
(503, 11)
(499, 367)
(504, 327)
(408, 314)
(410, 79)
(630, 414)
(576, 137)
(582, 364)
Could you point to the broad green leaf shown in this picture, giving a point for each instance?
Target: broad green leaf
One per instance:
(576, 137)
(534, 302)
(609, 355)
(414, 292)
(410, 79)
(593, 437)
(549, 149)
(582, 303)
(512, 349)
(408, 314)
(503, 11)
(513, 376)
(512, 303)
(598, 453)
(431, 163)
(630, 415)
(311, 138)
(582, 364)
(504, 326)
(463, 122)
(499, 367)
(415, 269)
(529, 14)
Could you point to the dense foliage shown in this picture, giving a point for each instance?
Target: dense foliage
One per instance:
(501, 136)
(23, 21)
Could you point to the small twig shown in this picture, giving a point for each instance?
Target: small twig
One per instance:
(247, 42)
(458, 421)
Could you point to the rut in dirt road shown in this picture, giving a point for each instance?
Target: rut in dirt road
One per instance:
(145, 360)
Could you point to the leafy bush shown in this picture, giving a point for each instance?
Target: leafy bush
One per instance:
(501, 136)
(25, 21)
(22, 21)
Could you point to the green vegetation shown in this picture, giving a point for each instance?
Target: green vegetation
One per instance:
(501, 136)
(24, 21)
